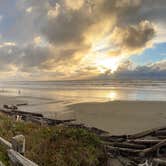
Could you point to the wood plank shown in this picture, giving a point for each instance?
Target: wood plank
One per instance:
(1, 164)
(17, 159)
(5, 143)
(124, 151)
(18, 144)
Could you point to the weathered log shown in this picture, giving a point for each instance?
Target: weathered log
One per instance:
(6, 111)
(113, 138)
(123, 151)
(160, 133)
(158, 161)
(55, 121)
(11, 107)
(145, 141)
(161, 137)
(5, 143)
(5, 106)
(18, 112)
(141, 134)
(21, 104)
(35, 119)
(17, 159)
(18, 144)
(147, 151)
(145, 133)
(75, 125)
(1, 164)
(128, 145)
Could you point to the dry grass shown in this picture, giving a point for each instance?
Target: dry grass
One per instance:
(54, 146)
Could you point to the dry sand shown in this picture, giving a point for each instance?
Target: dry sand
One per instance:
(122, 117)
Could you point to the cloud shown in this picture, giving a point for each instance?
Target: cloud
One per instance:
(24, 57)
(56, 36)
(54, 11)
(121, 8)
(133, 38)
(127, 70)
(74, 5)
(66, 27)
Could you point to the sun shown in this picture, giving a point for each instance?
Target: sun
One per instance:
(107, 63)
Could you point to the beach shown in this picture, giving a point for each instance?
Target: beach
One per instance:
(117, 106)
(117, 117)
(122, 117)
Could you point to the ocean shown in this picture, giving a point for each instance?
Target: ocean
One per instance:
(88, 90)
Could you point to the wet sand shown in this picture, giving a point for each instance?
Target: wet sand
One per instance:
(122, 117)
(10, 100)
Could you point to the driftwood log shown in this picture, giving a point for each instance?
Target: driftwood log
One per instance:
(5, 143)
(17, 159)
(31, 116)
(18, 144)
(15, 150)
(1, 164)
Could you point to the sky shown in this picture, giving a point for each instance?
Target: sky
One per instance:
(83, 39)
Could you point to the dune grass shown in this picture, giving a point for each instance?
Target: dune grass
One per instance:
(54, 146)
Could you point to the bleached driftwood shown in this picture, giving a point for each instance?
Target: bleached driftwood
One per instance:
(5, 143)
(18, 144)
(14, 149)
(145, 141)
(124, 151)
(153, 148)
(145, 133)
(17, 159)
(128, 145)
(1, 164)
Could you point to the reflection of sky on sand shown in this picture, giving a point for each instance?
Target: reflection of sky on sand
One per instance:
(113, 95)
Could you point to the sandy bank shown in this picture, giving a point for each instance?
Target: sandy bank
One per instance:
(122, 117)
